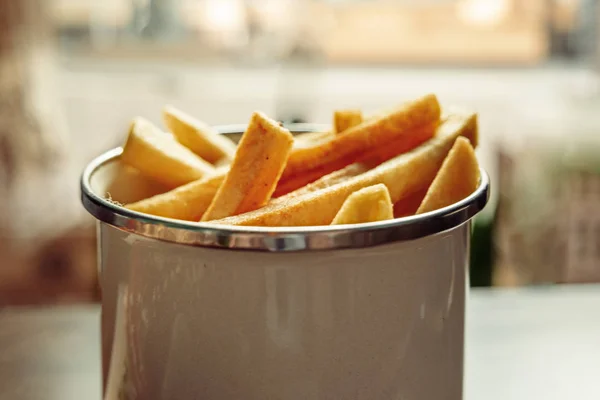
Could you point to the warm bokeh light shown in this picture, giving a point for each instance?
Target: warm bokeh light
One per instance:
(222, 14)
(485, 13)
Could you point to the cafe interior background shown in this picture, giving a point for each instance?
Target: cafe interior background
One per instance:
(77, 71)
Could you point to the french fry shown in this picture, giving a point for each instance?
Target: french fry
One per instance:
(472, 134)
(347, 146)
(326, 181)
(300, 181)
(127, 184)
(457, 178)
(255, 170)
(198, 136)
(223, 163)
(342, 120)
(309, 139)
(403, 175)
(408, 206)
(187, 202)
(398, 146)
(368, 204)
(373, 157)
(160, 157)
(346, 119)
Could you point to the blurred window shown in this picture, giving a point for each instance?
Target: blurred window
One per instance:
(423, 31)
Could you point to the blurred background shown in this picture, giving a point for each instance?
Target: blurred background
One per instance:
(74, 72)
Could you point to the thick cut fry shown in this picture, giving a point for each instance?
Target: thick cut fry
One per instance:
(312, 138)
(300, 181)
(457, 178)
(472, 134)
(326, 181)
(127, 184)
(255, 170)
(369, 204)
(198, 136)
(187, 202)
(374, 156)
(398, 146)
(408, 206)
(349, 144)
(223, 163)
(160, 157)
(346, 119)
(403, 175)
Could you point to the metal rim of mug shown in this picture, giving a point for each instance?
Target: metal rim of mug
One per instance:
(277, 239)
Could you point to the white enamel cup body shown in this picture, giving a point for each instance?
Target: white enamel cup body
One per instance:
(362, 312)
(378, 323)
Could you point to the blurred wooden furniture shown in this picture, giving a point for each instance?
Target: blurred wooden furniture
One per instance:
(31, 127)
(548, 225)
(61, 269)
(45, 252)
(521, 344)
(581, 225)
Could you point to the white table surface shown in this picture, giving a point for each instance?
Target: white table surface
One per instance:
(522, 344)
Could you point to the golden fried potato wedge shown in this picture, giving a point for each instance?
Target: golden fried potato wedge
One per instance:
(198, 136)
(255, 170)
(369, 204)
(457, 178)
(158, 156)
(403, 175)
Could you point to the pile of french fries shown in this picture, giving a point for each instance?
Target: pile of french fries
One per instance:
(413, 159)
